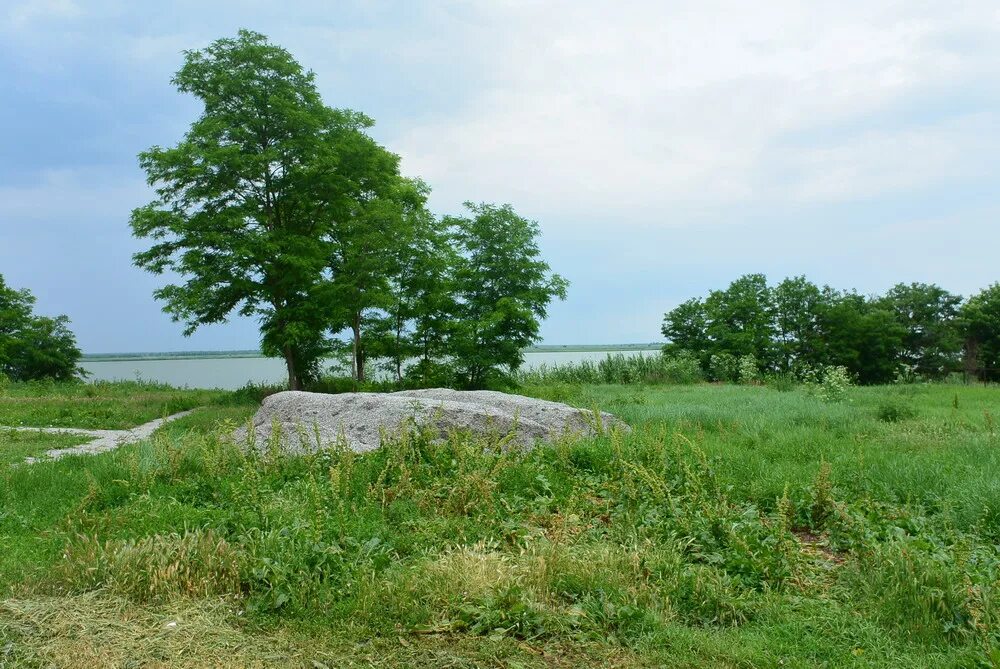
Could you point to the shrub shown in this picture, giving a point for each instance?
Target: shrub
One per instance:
(749, 371)
(895, 411)
(829, 383)
(781, 382)
(724, 367)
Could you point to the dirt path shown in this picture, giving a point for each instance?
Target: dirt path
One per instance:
(102, 440)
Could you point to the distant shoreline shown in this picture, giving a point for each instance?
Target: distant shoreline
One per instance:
(208, 355)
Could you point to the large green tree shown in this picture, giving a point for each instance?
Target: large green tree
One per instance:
(980, 322)
(245, 201)
(797, 303)
(741, 319)
(34, 347)
(932, 344)
(861, 335)
(503, 289)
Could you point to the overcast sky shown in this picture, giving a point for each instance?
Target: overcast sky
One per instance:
(665, 148)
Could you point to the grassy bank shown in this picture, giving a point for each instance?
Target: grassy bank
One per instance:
(735, 526)
(100, 405)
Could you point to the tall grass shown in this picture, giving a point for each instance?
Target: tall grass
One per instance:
(736, 525)
(618, 368)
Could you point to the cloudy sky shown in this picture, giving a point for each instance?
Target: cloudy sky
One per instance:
(664, 147)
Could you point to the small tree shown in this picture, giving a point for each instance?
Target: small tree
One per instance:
(503, 289)
(414, 322)
(34, 347)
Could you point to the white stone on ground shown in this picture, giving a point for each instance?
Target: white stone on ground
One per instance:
(308, 421)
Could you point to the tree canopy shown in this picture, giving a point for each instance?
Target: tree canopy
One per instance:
(278, 207)
(914, 330)
(503, 289)
(980, 319)
(34, 347)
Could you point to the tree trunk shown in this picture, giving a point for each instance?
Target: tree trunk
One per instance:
(399, 350)
(294, 382)
(359, 354)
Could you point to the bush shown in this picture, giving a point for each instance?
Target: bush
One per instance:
(749, 370)
(781, 382)
(724, 367)
(895, 411)
(829, 383)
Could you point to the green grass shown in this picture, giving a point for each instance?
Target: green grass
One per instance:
(736, 526)
(16, 445)
(100, 405)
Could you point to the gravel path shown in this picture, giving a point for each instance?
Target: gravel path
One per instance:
(103, 440)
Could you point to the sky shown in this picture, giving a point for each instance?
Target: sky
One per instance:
(665, 148)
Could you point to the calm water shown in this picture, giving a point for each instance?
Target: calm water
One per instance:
(232, 373)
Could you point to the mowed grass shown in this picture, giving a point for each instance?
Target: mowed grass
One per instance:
(100, 405)
(735, 526)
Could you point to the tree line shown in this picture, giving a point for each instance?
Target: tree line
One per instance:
(913, 331)
(278, 207)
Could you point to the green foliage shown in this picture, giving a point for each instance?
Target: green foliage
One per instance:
(894, 411)
(277, 207)
(33, 347)
(862, 336)
(830, 383)
(735, 524)
(980, 320)
(414, 318)
(503, 290)
(912, 330)
(932, 344)
(679, 368)
(236, 208)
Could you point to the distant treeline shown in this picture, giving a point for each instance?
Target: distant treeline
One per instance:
(914, 331)
(171, 355)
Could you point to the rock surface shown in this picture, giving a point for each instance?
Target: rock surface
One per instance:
(314, 420)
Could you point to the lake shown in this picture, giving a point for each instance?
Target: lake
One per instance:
(232, 373)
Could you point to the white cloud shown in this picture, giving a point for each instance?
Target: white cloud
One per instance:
(629, 108)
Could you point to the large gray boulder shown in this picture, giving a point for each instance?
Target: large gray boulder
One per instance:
(308, 421)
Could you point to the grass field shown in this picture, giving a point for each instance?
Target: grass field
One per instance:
(735, 526)
(101, 405)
